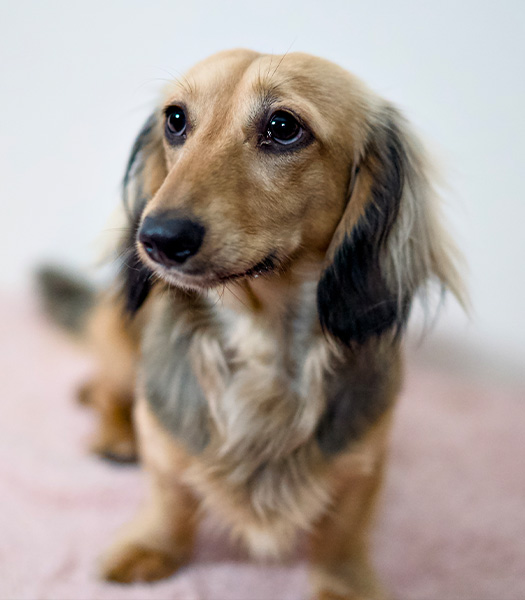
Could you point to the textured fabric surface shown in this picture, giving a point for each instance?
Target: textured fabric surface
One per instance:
(451, 524)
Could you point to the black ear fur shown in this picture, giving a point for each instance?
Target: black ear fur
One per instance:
(136, 278)
(353, 299)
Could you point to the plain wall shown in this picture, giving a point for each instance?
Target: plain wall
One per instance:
(79, 78)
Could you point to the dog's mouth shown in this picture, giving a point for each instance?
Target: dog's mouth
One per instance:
(205, 279)
(263, 267)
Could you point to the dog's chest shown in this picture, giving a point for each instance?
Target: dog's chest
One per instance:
(260, 408)
(233, 391)
(207, 370)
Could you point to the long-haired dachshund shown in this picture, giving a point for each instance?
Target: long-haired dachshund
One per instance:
(280, 223)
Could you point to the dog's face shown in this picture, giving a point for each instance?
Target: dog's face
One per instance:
(256, 162)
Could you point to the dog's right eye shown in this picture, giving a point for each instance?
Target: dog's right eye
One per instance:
(284, 132)
(284, 128)
(175, 124)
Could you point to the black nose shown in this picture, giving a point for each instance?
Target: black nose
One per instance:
(170, 241)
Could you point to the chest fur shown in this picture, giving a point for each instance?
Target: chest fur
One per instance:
(263, 410)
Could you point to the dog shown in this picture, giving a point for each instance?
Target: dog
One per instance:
(280, 222)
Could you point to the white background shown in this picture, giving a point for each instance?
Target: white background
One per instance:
(78, 79)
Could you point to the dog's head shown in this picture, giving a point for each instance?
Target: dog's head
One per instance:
(253, 163)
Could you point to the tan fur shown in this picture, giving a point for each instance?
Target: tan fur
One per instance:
(339, 552)
(160, 538)
(254, 345)
(115, 345)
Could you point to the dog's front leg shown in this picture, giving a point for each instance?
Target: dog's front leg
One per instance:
(339, 563)
(114, 437)
(160, 538)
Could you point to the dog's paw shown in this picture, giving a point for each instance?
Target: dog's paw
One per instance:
(85, 394)
(115, 440)
(327, 594)
(134, 562)
(120, 449)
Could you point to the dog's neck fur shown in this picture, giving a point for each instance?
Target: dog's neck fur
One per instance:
(242, 376)
(274, 353)
(270, 297)
(264, 390)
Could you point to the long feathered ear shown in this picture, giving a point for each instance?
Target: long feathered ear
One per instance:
(145, 172)
(389, 242)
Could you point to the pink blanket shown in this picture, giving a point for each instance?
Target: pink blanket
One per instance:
(451, 525)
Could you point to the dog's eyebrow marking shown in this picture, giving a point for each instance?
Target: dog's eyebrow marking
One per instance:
(259, 111)
(185, 84)
(178, 85)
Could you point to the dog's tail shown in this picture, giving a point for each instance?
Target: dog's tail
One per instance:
(66, 298)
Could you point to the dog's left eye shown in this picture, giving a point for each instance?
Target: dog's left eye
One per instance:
(284, 128)
(175, 123)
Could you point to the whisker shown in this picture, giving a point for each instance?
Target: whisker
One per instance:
(283, 57)
(235, 295)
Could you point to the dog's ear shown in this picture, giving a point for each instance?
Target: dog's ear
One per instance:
(145, 172)
(388, 243)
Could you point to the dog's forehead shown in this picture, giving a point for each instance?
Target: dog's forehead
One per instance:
(219, 74)
(233, 86)
(246, 72)
(243, 72)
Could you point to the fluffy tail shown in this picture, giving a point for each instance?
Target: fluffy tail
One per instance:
(66, 299)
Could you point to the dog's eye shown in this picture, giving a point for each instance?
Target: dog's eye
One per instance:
(175, 122)
(284, 128)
